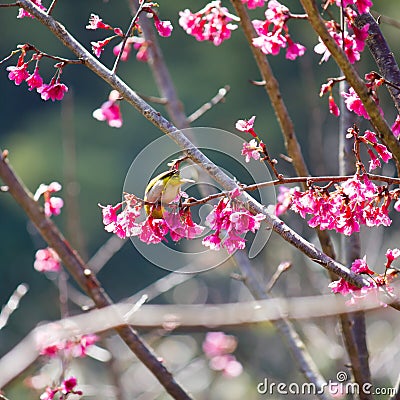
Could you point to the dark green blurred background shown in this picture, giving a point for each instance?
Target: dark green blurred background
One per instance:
(33, 131)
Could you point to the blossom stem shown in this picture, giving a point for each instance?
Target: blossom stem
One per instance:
(219, 97)
(43, 54)
(128, 32)
(9, 5)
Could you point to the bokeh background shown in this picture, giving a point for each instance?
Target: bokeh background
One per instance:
(49, 141)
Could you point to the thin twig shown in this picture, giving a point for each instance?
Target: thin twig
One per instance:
(31, 47)
(282, 267)
(220, 96)
(386, 20)
(154, 99)
(12, 304)
(9, 5)
(51, 8)
(127, 33)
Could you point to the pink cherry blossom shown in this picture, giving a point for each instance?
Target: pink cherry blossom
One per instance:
(294, 50)
(391, 255)
(153, 230)
(212, 23)
(34, 80)
(181, 225)
(22, 13)
(54, 91)
(284, 199)
(47, 260)
(138, 44)
(212, 241)
(218, 343)
(360, 35)
(68, 386)
(333, 108)
(244, 125)
(374, 162)
(95, 22)
(98, 47)
(48, 394)
(353, 103)
(227, 364)
(52, 205)
(19, 73)
(234, 242)
(164, 28)
(352, 44)
(110, 111)
(343, 287)
(110, 213)
(251, 150)
(396, 126)
(243, 221)
(359, 266)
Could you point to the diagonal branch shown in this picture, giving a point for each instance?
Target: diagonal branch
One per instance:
(377, 121)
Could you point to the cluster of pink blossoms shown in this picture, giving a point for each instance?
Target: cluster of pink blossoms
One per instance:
(164, 28)
(67, 387)
(377, 281)
(212, 23)
(218, 347)
(356, 202)
(138, 43)
(75, 348)
(152, 230)
(55, 90)
(231, 219)
(274, 34)
(234, 220)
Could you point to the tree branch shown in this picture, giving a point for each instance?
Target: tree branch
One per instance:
(383, 57)
(377, 121)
